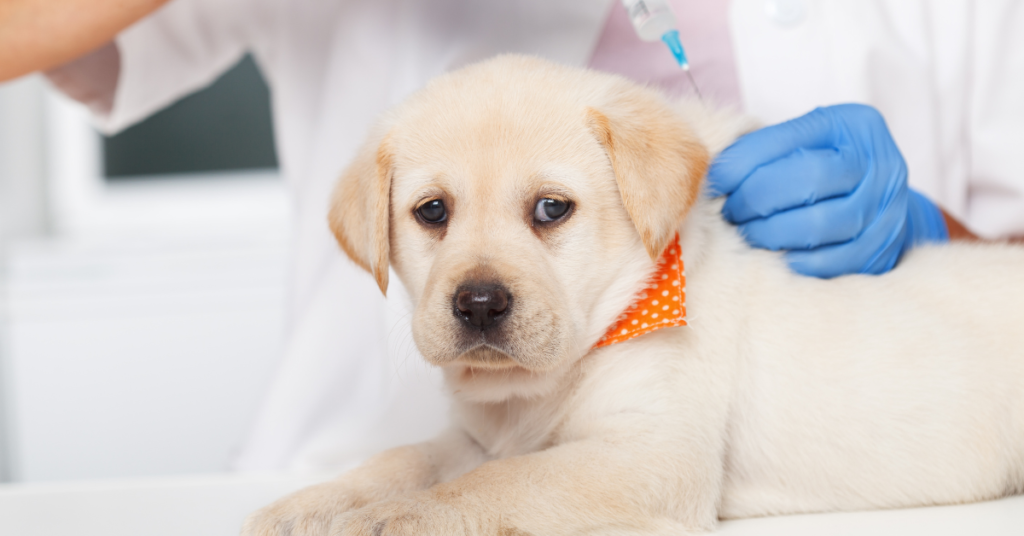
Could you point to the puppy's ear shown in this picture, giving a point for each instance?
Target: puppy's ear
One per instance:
(658, 163)
(360, 209)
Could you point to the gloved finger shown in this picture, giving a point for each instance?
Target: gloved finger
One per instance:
(875, 251)
(815, 130)
(831, 221)
(804, 177)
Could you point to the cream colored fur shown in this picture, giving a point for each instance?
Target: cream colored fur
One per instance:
(784, 394)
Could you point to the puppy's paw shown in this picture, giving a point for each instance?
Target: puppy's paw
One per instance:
(309, 512)
(416, 516)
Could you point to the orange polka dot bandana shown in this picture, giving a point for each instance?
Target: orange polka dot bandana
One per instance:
(661, 304)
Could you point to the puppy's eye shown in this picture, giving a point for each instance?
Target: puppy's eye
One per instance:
(549, 209)
(433, 211)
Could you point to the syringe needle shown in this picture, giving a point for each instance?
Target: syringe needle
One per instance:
(671, 38)
(693, 83)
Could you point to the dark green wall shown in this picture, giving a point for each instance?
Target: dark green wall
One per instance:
(226, 126)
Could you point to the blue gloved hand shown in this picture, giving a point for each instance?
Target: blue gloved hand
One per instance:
(830, 187)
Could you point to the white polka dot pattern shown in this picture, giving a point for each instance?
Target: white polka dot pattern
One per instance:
(648, 313)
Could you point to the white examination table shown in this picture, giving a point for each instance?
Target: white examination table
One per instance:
(215, 506)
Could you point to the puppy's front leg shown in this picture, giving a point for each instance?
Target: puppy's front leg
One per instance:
(640, 452)
(393, 473)
(607, 486)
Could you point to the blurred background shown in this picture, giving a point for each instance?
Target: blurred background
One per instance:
(142, 282)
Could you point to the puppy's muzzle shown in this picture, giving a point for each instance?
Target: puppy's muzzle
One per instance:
(482, 306)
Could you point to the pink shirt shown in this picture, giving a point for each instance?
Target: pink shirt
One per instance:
(704, 30)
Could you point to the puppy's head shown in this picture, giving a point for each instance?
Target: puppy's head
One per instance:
(521, 203)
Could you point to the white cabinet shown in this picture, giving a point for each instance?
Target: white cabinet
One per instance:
(138, 357)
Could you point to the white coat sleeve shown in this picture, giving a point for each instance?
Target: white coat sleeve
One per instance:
(182, 47)
(995, 197)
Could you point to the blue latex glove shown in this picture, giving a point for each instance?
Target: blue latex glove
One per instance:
(831, 188)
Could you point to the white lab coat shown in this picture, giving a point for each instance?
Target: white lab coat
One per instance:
(946, 74)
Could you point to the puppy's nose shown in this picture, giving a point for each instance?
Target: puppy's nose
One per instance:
(481, 306)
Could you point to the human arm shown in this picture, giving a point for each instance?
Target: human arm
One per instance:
(38, 35)
(958, 232)
(147, 64)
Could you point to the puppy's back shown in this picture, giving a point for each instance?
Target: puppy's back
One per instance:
(883, 391)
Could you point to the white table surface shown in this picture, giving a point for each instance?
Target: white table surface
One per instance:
(215, 506)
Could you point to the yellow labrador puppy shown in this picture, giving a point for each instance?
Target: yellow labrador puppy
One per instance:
(524, 205)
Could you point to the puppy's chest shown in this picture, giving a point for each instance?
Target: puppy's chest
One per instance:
(513, 427)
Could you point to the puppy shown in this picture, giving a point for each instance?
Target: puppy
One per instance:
(525, 206)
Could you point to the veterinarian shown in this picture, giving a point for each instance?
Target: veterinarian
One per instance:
(829, 186)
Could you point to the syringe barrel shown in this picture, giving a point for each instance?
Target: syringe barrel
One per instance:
(650, 18)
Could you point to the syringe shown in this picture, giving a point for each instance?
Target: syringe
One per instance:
(653, 20)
